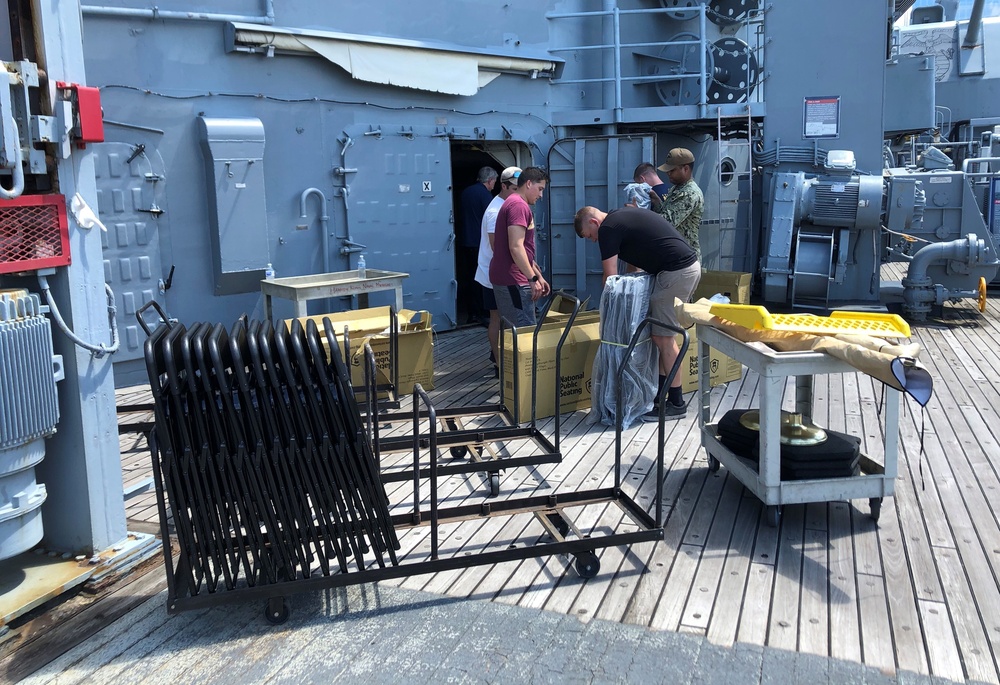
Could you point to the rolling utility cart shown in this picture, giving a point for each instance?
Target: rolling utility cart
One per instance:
(875, 481)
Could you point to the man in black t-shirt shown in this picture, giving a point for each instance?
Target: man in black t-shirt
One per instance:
(648, 242)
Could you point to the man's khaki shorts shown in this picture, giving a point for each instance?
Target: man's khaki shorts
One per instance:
(671, 284)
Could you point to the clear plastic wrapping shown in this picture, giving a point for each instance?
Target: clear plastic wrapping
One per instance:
(638, 193)
(624, 304)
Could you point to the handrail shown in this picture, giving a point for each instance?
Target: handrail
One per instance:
(420, 394)
(371, 401)
(661, 430)
(504, 325)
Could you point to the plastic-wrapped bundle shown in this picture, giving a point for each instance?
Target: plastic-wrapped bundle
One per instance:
(638, 193)
(624, 304)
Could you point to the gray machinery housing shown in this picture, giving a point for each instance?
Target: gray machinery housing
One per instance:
(826, 235)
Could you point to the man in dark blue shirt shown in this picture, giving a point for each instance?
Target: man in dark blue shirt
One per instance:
(472, 205)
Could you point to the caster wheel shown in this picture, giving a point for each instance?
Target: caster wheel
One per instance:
(494, 484)
(772, 515)
(276, 612)
(459, 452)
(713, 464)
(452, 426)
(875, 506)
(587, 564)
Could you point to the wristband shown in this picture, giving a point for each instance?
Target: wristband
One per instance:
(534, 279)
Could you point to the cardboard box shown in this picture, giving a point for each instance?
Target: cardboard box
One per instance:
(736, 286)
(563, 305)
(733, 284)
(723, 368)
(416, 345)
(577, 364)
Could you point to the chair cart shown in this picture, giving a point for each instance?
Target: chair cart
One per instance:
(262, 462)
(496, 423)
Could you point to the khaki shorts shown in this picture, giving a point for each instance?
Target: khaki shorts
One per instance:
(668, 285)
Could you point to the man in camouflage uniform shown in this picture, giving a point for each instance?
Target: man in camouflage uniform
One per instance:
(684, 204)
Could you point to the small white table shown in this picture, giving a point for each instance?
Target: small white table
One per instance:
(301, 289)
(764, 478)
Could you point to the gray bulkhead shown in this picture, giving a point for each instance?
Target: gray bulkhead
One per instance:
(381, 156)
(388, 161)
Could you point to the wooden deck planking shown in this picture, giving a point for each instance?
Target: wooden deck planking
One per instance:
(876, 631)
(845, 626)
(966, 621)
(700, 603)
(861, 592)
(814, 611)
(757, 603)
(728, 604)
(783, 627)
(945, 659)
(907, 630)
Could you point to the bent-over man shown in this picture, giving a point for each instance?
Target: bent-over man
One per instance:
(646, 240)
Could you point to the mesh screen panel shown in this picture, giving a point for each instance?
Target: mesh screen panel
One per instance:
(33, 233)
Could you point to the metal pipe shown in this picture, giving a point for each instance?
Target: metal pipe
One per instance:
(919, 292)
(157, 13)
(977, 160)
(16, 168)
(961, 249)
(703, 65)
(618, 66)
(975, 25)
(324, 219)
(609, 60)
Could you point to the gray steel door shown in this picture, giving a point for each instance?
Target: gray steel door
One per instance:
(132, 243)
(587, 171)
(399, 207)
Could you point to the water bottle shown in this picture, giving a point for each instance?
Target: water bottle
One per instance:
(269, 272)
(361, 266)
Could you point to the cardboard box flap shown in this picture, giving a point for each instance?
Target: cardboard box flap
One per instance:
(416, 344)
(374, 321)
(733, 284)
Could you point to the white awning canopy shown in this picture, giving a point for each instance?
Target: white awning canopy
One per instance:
(450, 69)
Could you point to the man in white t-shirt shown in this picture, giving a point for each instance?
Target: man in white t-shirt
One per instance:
(508, 184)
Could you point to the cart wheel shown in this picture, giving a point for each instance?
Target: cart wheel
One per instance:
(772, 514)
(494, 484)
(276, 612)
(587, 564)
(875, 505)
(713, 464)
(459, 452)
(452, 426)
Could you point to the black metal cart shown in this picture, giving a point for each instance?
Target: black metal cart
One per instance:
(262, 459)
(505, 424)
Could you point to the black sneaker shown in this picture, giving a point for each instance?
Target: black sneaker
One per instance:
(670, 412)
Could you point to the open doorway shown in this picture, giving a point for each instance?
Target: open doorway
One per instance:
(467, 158)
